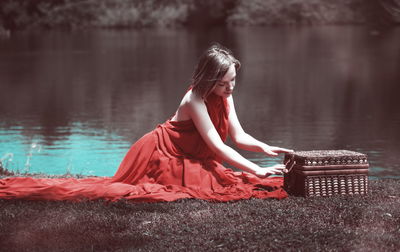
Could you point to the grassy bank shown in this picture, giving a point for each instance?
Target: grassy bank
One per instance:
(341, 223)
(29, 14)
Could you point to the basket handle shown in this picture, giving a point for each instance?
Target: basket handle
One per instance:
(290, 162)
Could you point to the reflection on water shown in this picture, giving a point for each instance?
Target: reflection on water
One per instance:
(83, 98)
(77, 149)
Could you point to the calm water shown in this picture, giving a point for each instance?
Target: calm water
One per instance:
(76, 101)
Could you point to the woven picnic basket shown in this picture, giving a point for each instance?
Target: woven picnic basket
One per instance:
(326, 173)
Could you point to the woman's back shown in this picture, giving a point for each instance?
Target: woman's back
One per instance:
(182, 113)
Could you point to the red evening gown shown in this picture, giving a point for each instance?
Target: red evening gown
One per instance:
(169, 163)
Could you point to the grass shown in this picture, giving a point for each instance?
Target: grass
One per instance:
(340, 223)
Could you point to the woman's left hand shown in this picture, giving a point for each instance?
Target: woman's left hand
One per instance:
(274, 150)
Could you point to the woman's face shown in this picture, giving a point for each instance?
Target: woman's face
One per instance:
(225, 86)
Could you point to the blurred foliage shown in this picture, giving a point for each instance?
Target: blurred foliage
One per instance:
(267, 12)
(28, 14)
(22, 14)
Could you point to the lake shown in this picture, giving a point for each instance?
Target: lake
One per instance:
(75, 101)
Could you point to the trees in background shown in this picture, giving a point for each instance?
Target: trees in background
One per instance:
(28, 14)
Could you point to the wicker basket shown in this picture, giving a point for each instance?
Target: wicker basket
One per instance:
(326, 173)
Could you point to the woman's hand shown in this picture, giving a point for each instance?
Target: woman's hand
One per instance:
(277, 169)
(274, 151)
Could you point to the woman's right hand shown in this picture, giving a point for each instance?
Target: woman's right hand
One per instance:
(277, 169)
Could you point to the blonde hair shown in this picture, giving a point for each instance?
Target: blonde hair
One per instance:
(212, 66)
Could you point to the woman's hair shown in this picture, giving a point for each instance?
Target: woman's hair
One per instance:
(212, 66)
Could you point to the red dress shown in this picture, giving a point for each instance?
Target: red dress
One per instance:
(169, 163)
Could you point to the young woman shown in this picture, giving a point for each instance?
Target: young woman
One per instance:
(182, 157)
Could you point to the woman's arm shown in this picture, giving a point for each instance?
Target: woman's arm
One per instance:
(245, 141)
(198, 113)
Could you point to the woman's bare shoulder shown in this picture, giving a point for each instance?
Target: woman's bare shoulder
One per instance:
(191, 99)
(190, 102)
(230, 100)
(193, 104)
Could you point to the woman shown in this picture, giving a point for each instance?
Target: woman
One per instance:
(182, 157)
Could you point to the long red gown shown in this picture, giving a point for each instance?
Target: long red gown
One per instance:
(169, 163)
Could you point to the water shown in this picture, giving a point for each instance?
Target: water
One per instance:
(75, 101)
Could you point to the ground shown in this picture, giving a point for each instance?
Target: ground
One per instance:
(339, 223)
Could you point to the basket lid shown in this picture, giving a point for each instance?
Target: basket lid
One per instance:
(326, 157)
